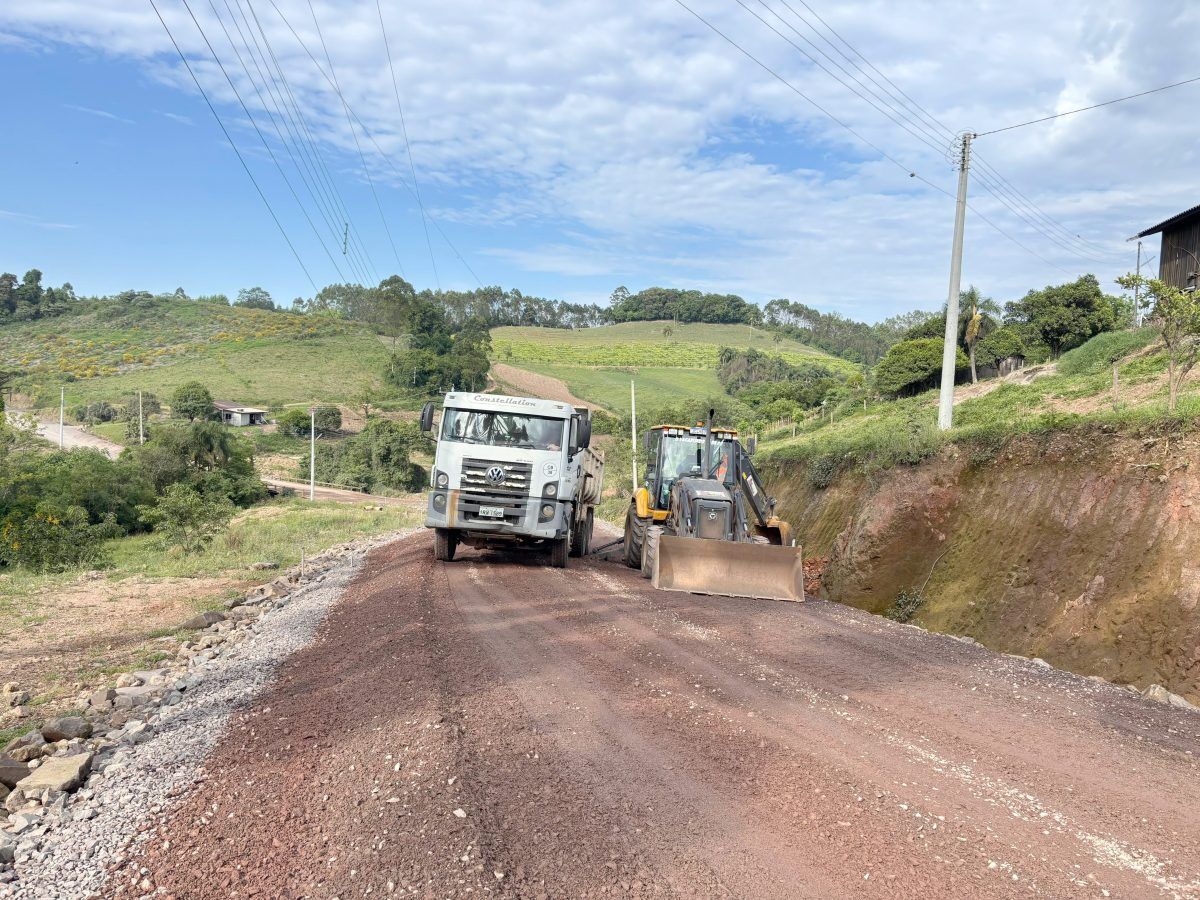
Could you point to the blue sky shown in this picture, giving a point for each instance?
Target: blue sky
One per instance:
(569, 148)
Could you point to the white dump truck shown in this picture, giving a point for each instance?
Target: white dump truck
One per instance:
(512, 472)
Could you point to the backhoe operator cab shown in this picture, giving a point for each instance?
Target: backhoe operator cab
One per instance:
(673, 452)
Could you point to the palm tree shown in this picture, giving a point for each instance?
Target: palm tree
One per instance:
(978, 317)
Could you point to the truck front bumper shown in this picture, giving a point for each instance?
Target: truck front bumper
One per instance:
(524, 517)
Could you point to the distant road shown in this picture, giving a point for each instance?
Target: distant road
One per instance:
(74, 437)
(344, 495)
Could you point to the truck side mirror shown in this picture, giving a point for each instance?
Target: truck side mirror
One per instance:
(584, 434)
(427, 417)
(751, 445)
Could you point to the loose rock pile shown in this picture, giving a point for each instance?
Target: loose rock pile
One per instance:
(77, 789)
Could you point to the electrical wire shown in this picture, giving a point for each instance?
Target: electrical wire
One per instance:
(367, 132)
(1071, 112)
(912, 173)
(354, 247)
(933, 136)
(404, 129)
(233, 145)
(266, 144)
(361, 155)
(284, 142)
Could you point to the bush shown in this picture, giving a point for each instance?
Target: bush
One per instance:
(1000, 344)
(186, 519)
(906, 605)
(376, 459)
(51, 541)
(191, 401)
(297, 421)
(913, 365)
(94, 412)
(129, 406)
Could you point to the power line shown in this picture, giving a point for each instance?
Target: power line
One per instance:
(357, 248)
(404, 128)
(354, 133)
(1071, 112)
(883, 153)
(366, 131)
(238, 152)
(1017, 203)
(287, 146)
(266, 144)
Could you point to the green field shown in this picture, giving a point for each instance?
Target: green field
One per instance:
(656, 387)
(693, 346)
(597, 364)
(247, 355)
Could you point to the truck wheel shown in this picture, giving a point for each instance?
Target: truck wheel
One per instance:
(560, 550)
(650, 550)
(581, 538)
(444, 544)
(635, 531)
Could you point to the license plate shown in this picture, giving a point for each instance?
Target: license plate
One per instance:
(492, 512)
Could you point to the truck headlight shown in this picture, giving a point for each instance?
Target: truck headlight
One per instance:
(547, 510)
(550, 490)
(439, 501)
(441, 480)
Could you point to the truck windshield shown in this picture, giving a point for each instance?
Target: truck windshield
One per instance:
(501, 429)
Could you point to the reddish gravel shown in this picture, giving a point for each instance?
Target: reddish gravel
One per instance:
(601, 738)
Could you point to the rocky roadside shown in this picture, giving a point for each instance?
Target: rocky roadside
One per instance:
(80, 791)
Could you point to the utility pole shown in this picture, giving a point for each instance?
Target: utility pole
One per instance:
(950, 347)
(141, 421)
(312, 453)
(633, 431)
(62, 414)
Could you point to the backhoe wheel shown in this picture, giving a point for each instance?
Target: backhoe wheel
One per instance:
(650, 550)
(560, 550)
(635, 532)
(581, 540)
(444, 544)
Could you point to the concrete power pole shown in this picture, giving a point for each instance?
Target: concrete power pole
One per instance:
(141, 421)
(62, 414)
(312, 453)
(950, 348)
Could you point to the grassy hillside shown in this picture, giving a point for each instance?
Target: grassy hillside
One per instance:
(249, 355)
(1076, 391)
(597, 364)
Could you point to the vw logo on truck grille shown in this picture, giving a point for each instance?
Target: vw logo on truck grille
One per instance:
(495, 475)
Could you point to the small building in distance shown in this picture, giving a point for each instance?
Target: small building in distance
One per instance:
(236, 414)
(1179, 258)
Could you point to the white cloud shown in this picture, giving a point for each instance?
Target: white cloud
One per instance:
(99, 113)
(656, 151)
(32, 221)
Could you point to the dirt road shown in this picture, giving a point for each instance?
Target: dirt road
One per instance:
(492, 726)
(73, 436)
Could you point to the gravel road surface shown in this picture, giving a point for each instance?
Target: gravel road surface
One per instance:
(492, 726)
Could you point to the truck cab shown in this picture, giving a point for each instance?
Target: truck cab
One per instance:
(512, 472)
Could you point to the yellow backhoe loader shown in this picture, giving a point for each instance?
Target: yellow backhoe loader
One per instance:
(702, 522)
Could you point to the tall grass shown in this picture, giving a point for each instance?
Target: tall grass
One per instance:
(1098, 354)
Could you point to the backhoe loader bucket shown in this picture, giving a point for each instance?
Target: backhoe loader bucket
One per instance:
(730, 568)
